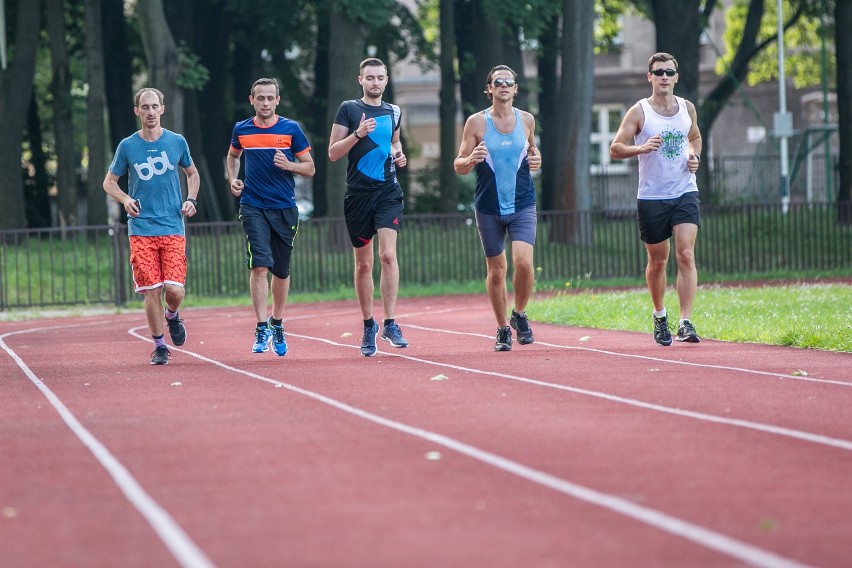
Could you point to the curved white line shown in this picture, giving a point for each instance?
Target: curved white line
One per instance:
(171, 534)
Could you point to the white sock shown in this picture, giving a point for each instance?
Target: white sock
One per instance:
(660, 314)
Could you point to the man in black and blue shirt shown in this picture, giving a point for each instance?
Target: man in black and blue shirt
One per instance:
(367, 130)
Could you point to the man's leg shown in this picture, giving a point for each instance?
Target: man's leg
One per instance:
(524, 275)
(259, 288)
(154, 311)
(687, 274)
(174, 296)
(389, 283)
(655, 272)
(495, 285)
(364, 278)
(280, 291)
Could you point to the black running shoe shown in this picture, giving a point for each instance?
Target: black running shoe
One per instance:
(504, 339)
(161, 355)
(176, 329)
(521, 324)
(662, 335)
(686, 333)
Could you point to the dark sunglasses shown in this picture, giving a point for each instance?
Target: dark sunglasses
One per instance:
(666, 72)
(501, 82)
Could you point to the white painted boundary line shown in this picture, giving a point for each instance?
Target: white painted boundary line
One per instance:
(760, 427)
(173, 536)
(649, 358)
(700, 535)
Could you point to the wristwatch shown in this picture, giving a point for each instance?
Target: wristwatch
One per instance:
(355, 134)
(194, 202)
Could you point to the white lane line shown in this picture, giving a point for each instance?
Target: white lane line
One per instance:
(649, 358)
(173, 536)
(700, 535)
(759, 426)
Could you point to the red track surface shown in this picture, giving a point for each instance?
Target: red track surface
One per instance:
(587, 448)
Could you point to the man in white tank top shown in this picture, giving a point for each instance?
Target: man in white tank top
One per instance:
(662, 131)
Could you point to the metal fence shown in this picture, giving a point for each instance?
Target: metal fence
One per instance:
(89, 265)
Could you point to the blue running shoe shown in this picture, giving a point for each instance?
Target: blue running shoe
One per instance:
(368, 344)
(262, 337)
(392, 334)
(279, 343)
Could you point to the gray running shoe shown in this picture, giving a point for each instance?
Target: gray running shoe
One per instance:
(686, 333)
(662, 335)
(504, 339)
(521, 324)
(393, 335)
(161, 355)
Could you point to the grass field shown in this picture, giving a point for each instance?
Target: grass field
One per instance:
(802, 315)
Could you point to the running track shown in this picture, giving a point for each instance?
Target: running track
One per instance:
(587, 448)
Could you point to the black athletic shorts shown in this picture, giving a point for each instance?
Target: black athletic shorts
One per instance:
(269, 237)
(658, 216)
(367, 211)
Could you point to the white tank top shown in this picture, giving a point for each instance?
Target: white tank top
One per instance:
(663, 174)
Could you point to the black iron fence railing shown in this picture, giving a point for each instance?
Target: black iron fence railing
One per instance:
(89, 265)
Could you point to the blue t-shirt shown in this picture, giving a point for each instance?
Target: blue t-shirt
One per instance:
(504, 184)
(266, 185)
(370, 165)
(154, 181)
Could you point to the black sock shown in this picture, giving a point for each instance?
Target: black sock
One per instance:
(274, 321)
(261, 324)
(388, 322)
(369, 323)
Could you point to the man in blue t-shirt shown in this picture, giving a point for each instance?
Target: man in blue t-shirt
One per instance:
(275, 148)
(367, 130)
(155, 208)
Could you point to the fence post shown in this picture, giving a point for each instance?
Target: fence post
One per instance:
(118, 269)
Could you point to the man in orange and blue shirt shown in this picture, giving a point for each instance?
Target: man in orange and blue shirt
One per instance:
(276, 148)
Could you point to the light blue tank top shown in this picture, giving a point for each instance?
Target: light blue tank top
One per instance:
(504, 184)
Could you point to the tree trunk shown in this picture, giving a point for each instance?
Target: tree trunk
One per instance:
(346, 45)
(843, 46)
(161, 54)
(36, 197)
(574, 122)
(118, 69)
(320, 108)
(63, 127)
(678, 25)
(96, 199)
(481, 44)
(16, 85)
(449, 189)
(548, 102)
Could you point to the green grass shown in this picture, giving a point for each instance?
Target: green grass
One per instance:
(815, 316)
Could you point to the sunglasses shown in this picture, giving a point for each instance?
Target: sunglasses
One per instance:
(506, 82)
(666, 72)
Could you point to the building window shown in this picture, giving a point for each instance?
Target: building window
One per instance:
(605, 122)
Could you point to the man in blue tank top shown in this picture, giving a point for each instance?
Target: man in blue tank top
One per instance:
(662, 132)
(499, 143)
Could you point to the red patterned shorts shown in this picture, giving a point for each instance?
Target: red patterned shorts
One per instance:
(157, 261)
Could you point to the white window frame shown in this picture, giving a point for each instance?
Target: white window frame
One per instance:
(602, 137)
